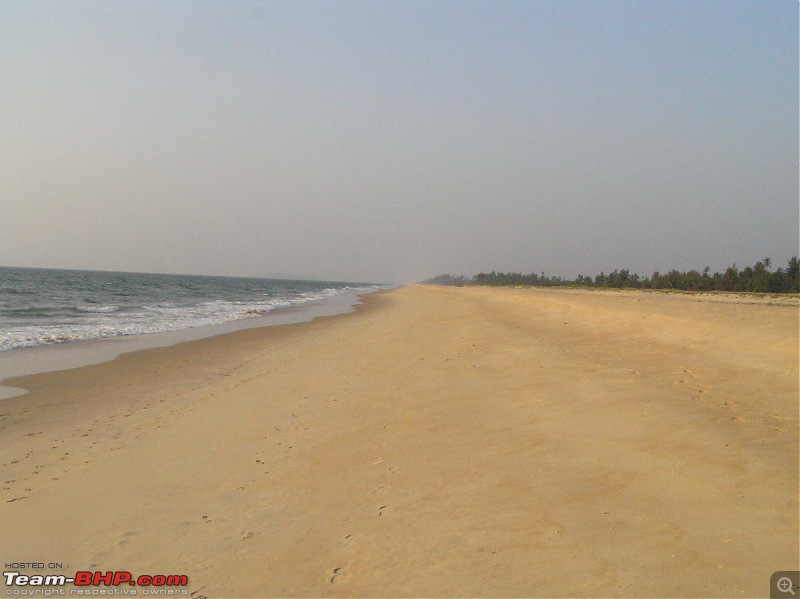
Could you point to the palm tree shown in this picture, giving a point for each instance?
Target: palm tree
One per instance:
(793, 274)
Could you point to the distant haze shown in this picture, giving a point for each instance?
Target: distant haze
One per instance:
(392, 141)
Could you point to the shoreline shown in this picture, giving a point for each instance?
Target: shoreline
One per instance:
(63, 356)
(433, 442)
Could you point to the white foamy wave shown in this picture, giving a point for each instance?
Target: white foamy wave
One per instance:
(97, 309)
(104, 321)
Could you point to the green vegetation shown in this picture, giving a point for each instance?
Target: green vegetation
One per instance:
(756, 278)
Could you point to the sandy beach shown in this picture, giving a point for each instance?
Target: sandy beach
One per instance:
(437, 442)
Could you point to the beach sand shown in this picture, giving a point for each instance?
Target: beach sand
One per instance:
(436, 442)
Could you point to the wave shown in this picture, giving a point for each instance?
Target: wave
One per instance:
(88, 320)
(97, 309)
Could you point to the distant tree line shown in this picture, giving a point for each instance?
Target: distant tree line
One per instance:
(756, 278)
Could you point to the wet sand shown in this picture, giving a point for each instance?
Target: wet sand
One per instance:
(436, 442)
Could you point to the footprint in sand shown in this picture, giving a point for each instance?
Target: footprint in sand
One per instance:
(336, 575)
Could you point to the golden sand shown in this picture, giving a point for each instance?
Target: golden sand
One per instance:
(437, 442)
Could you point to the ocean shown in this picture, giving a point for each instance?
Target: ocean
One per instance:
(43, 306)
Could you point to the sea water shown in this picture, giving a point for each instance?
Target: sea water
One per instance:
(44, 306)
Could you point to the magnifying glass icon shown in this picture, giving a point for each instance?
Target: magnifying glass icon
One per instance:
(784, 585)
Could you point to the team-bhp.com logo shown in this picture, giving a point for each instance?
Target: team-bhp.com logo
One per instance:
(83, 578)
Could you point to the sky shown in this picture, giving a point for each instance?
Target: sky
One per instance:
(385, 141)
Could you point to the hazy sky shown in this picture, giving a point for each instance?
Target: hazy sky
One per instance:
(392, 141)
